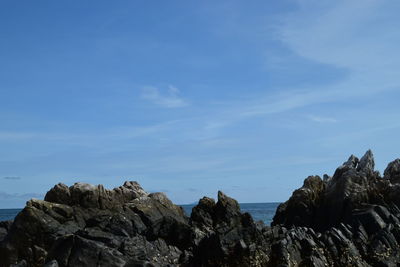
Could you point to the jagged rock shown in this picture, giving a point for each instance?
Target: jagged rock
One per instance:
(86, 225)
(349, 219)
(4, 228)
(301, 208)
(352, 162)
(90, 196)
(202, 214)
(162, 219)
(392, 172)
(223, 236)
(326, 203)
(367, 163)
(355, 214)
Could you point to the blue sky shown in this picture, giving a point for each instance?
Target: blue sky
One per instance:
(191, 97)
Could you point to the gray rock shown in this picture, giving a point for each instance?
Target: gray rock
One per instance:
(392, 172)
(349, 219)
(367, 163)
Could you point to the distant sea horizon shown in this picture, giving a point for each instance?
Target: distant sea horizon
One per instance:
(259, 211)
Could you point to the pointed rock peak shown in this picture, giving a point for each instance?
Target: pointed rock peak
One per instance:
(351, 162)
(224, 199)
(367, 162)
(221, 196)
(135, 187)
(392, 171)
(326, 177)
(227, 205)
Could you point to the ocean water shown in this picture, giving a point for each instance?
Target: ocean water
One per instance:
(8, 214)
(260, 211)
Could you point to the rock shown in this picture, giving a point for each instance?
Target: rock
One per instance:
(321, 204)
(370, 220)
(59, 194)
(349, 219)
(301, 208)
(355, 216)
(223, 236)
(87, 225)
(202, 214)
(4, 228)
(90, 196)
(352, 162)
(162, 219)
(367, 163)
(52, 263)
(392, 172)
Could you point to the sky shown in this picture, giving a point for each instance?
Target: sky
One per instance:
(192, 97)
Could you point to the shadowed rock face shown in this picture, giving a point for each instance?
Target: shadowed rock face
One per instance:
(321, 204)
(354, 216)
(349, 219)
(87, 225)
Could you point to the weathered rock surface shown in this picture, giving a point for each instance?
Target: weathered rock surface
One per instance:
(349, 219)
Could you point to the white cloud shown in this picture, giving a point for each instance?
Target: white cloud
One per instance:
(322, 119)
(169, 99)
(25, 196)
(86, 138)
(359, 36)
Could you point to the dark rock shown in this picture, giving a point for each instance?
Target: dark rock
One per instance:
(349, 219)
(367, 163)
(59, 194)
(355, 212)
(86, 225)
(392, 172)
(52, 263)
(223, 236)
(301, 208)
(4, 228)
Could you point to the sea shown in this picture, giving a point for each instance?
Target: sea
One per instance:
(259, 211)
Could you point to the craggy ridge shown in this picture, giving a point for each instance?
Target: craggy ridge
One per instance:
(349, 219)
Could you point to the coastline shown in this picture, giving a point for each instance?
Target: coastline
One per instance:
(349, 219)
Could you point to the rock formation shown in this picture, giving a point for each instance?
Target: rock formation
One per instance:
(349, 219)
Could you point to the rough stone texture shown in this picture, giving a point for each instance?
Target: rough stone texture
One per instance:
(86, 225)
(349, 219)
(223, 236)
(354, 217)
(392, 172)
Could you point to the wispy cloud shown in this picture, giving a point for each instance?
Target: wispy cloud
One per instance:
(12, 178)
(116, 133)
(25, 196)
(322, 119)
(168, 99)
(361, 42)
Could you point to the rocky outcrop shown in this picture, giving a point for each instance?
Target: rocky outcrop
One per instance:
(4, 228)
(86, 225)
(349, 219)
(223, 236)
